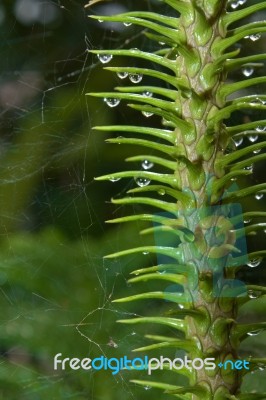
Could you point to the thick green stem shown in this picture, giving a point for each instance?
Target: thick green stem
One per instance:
(202, 149)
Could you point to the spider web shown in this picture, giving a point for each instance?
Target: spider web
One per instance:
(56, 288)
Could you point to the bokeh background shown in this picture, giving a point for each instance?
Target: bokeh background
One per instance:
(55, 287)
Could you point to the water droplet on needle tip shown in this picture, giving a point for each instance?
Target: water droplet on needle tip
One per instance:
(105, 58)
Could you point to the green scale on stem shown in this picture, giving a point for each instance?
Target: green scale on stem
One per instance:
(192, 146)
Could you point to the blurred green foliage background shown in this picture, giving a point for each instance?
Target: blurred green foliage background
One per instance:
(55, 287)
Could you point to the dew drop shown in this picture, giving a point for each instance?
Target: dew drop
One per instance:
(147, 387)
(162, 43)
(238, 141)
(146, 164)
(145, 253)
(147, 94)
(161, 192)
(252, 138)
(242, 2)
(258, 196)
(255, 37)
(147, 114)
(261, 128)
(254, 333)
(261, 366)
(127, 23)
(142, 182)
(114, 179)
(105, 58)
(133, 333)
(122, 75)
(111, 102)
(255, 262)
(258, 101)
(247, 71)
(257, 151)
(135, 78)
(252, 294)
(249, 167)
(180, 306)
(120, 137)
(234, 5)
(247, 221)
(100, 20)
